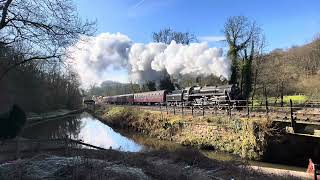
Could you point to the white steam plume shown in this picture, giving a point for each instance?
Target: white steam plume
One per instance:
(96, 56)
(194, 59)
(141, 57)
(93, 57)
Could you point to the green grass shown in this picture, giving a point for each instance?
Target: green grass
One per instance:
(296, 99)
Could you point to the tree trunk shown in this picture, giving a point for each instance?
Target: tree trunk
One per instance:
(281, 94)
(254, 87)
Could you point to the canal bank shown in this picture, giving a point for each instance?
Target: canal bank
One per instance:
(254, 138)
(243, 137)
(126, 156)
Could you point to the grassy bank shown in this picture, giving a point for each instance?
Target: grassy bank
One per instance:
(240, 136)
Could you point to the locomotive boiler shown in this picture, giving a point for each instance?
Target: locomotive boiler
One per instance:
(208, 96)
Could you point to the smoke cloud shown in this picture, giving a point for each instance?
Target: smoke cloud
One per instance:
(95, 57)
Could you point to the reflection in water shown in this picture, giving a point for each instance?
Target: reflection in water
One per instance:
(96, 133)
(82, 127)
(54, 129)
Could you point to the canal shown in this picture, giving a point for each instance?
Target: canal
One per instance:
(90, 130)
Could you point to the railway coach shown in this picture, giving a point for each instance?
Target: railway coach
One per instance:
(151, 97)
(119, 99)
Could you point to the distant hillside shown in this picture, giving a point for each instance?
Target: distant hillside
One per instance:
(109, 83)
(291, 71)
(110, 88)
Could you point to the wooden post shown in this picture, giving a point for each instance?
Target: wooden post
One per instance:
(267, 108)
(229, 109)
(202, 107)
(216, 108)
(293, 122)
(248, 110)
(174, 109)
(167, 108)
(182, 108)
(281, 91)
(192, 110)
(265, 94)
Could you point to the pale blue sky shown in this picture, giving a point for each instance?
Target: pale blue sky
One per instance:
(284, 22)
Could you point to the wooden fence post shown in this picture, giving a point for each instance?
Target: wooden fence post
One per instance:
(174, 109)
(229, 109)
(293, 122)
(192, 110)
(248, 109)
(265, 94)
(167, 108)
(216, 109)
(182, 108)
(202, 107)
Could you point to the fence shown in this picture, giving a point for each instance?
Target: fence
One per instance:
(243, 108)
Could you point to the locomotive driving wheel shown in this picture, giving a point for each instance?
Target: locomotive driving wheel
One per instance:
(211, 107)
(233, 106)
(219, 106)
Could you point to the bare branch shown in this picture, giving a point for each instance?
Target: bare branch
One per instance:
(25, 61)
(3, 21)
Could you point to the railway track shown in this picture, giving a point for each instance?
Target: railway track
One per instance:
(281, 113)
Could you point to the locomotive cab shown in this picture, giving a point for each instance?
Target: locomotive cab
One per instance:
(188, 91)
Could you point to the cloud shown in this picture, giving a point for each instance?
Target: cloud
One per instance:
(147, 7)
(138, 4)
(212, 38)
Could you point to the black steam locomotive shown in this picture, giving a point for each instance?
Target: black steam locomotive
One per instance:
(208, 96)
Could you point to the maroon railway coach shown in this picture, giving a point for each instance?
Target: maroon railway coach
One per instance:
(119, 99)
(150, 97)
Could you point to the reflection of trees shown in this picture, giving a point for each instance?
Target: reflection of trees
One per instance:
(150, 142)
(60, 128)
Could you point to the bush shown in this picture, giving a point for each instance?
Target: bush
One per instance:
(11, 123)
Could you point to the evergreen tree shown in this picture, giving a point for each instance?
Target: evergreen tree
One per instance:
(151, 85)
(166, 84)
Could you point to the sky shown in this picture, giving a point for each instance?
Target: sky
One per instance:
(284, 22)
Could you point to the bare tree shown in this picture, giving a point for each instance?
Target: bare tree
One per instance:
(257, 64)
(42, 28)
(167, 35)
(239, 32)
(244, 38)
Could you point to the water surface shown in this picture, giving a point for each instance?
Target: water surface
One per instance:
(83, 127)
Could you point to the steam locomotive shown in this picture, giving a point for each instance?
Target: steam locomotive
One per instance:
(206, 96)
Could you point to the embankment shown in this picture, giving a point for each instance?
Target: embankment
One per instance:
(240, 136)
(111, 164)
(58, 114)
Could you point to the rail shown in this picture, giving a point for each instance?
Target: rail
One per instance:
(288, 114)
